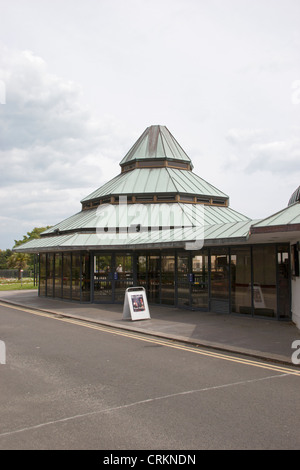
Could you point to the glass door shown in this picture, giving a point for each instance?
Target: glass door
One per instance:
(75, 276)
(240, 270)
(67, 275)
(58, 275)
(153, 279)
(183, 282)
(264, 280)
(123, 276)
(86, 278)
(168, 279)
(283, 276)
(50, 274)
(219, 280)
(142, 270)
(103, 276)
(199, 284)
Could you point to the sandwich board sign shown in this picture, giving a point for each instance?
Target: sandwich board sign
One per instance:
(135, 304)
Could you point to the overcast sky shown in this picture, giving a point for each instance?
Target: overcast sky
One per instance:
(81, 80)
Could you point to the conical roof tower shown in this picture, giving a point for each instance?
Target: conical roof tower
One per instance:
(156, 188)
(156, 169)
(158, 144)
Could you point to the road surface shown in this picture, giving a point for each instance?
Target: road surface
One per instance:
(68, 384)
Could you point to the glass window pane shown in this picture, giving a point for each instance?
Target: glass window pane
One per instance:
(42, 286)
(58, 275)
(283, 260)
(123, 275)
(200, 280)
(142, 272)
(50, 274)
(86, 278)
(154, 278)
(103, 276)
(75, 276)
(67, 276)
(220, 273)
(264, 288)
(168, 279)
(183, 284)
(240, 269)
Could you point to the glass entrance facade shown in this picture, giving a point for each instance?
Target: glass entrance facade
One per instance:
(248, 280)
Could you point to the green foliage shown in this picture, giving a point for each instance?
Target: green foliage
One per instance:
(35, 233)
(4, 255)
(28, 260)
(18, 261)
(10, 260)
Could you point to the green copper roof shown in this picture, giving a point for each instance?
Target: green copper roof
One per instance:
(156, 142)
(228, 233)
(288, 216)
(153, 223)
(154, 181)
(147, 215)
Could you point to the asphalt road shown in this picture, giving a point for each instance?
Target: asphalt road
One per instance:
(72, 385)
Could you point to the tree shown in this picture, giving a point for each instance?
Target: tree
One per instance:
(18, 261)
(4, 255)
(22, 260)
(35, 233)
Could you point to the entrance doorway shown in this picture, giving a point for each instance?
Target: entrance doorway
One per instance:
(219, 280)
(112, 275)
(103, 275)
(123, 275)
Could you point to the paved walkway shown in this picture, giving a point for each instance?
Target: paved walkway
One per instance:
(257, 337)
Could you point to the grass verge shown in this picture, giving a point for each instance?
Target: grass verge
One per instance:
(15, 284)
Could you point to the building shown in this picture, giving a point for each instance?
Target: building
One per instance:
(159, 225)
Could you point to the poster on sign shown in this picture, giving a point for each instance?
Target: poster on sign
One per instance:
(135, 304)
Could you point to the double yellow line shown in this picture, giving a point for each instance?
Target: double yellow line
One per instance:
(157, 341)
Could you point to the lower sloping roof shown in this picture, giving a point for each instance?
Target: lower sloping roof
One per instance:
(288, 216)
(125, 226)
(147, 215)
(155, 181)
(190, 238)
(283, 226)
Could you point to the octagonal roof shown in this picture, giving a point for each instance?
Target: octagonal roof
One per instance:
(156, 142)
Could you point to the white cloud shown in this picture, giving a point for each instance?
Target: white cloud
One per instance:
(50, 141)
(261, 152)
(222, 76)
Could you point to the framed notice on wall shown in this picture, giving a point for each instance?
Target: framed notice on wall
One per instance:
(135, 304)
